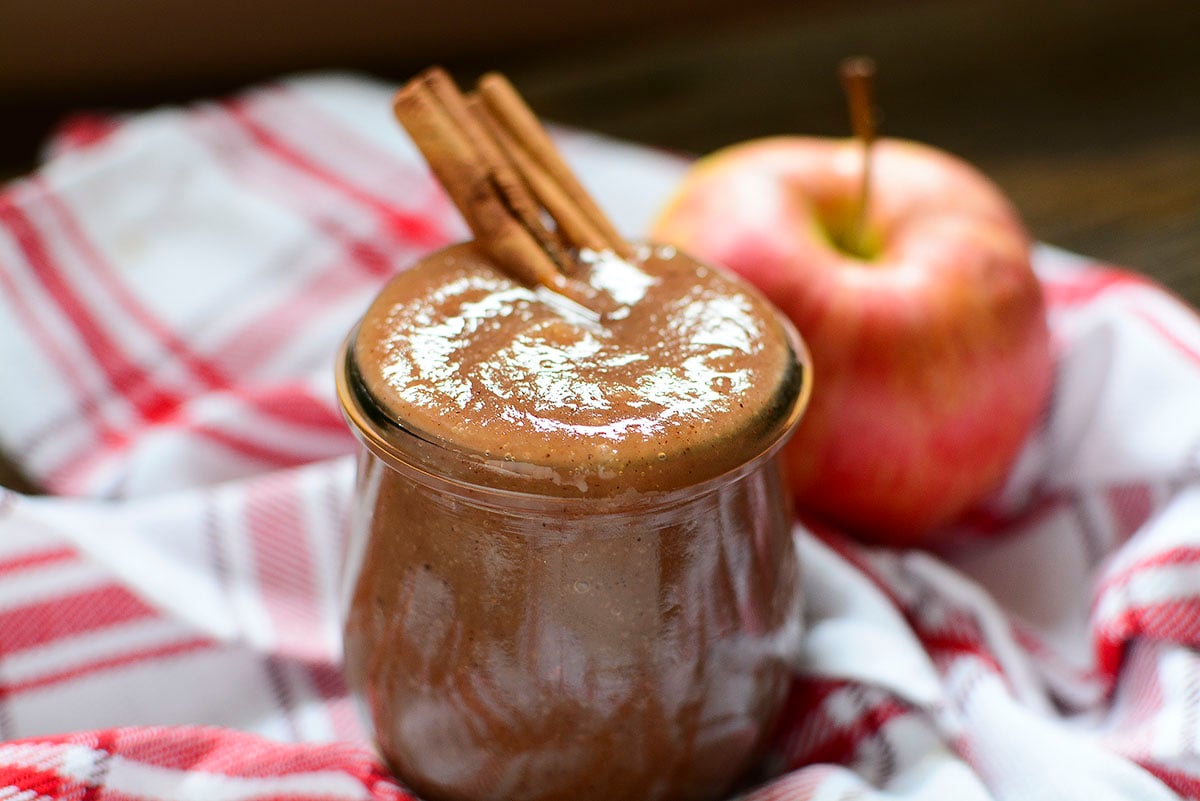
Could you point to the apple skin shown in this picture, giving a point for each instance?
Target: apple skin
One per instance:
(931, 353)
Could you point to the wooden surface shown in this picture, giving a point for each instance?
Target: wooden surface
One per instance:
(1086, 113)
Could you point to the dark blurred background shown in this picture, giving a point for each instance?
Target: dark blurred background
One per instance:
(1087, 113)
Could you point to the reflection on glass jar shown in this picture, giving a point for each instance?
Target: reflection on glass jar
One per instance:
(578, 629)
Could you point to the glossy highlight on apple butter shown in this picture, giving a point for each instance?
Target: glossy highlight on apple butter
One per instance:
(665, 372)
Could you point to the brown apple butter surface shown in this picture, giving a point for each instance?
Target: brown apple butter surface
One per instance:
(571, 573)
(679, 377)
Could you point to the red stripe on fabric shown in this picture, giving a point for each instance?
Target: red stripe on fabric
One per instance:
(205, 372)
(243, 795)
(265, 453)
(1186, 784)
(842, 741)
(1109, 646)
(226, 752)
(1169, 336)
(293, 403)
(283, 562)
(1088, 284)
(37, 559)
(344, 716)
(330, 684)
(281, 689)
(187, 748)
(291, 313)
(237, 754)
(1179, 555)
(1175, 621)
(99, 665)
(49, 743)
(290, 403)
(945, 646)
(64, 363)
(331, 136)
(129, 379)
(956, 637)
(328, 679)
(415, 229)
(44, 782)
(801, 717)
(286, 580)
(849, 551)
(99, 771)
(70, 477)
(269, 455)
(82, 131)
(69, 615)
(280, 323)
(327, 137)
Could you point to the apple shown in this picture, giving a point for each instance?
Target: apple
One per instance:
(931, 353)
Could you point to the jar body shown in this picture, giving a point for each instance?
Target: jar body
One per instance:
(531, 648)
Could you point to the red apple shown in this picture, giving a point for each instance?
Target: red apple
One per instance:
(931, 352)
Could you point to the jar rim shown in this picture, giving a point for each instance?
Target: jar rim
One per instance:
(387, 439)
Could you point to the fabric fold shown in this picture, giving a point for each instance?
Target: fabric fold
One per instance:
(173, 288)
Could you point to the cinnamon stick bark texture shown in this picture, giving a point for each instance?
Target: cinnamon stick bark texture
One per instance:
(507, 180)
(510, 110)
(573, 222)
(501, 170)
(469, 181)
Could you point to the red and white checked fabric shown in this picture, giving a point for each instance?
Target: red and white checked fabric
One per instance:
(173, 287)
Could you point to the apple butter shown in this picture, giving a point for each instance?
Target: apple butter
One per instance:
(570, 572)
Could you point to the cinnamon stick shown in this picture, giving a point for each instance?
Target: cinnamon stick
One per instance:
(469, 181)
(574, 223)
(512, 113)
(503, 173)
(512, 189)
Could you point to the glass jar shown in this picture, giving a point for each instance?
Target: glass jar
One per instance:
(522, 646)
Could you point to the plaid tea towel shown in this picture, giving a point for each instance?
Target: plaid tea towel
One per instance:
(173, 288)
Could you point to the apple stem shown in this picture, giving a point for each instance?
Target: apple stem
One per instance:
(858, 82)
